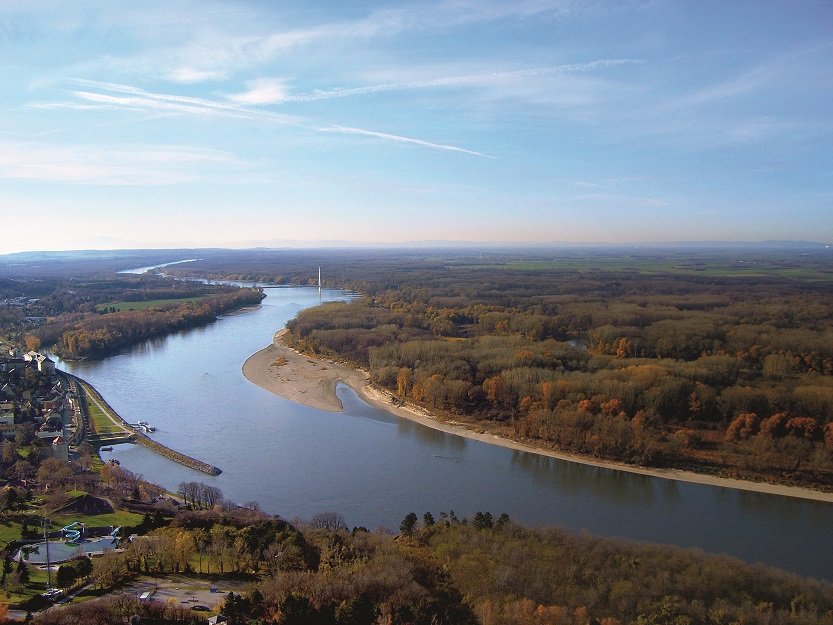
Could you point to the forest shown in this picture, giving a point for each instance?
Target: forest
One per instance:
(105, 333)
(91, 316)
(716, 361)
(691, 360)
(729, 375)
(435, 568)
(449, 570)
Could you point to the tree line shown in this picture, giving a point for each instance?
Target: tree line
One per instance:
(98, 335)
(645, 368)
(477, 569)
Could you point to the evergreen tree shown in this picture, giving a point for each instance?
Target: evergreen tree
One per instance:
(296, 610)
(357, 611)
(23, 572)
(502, 521)
(409, 524)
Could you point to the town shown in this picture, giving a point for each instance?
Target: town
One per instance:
(37, 402)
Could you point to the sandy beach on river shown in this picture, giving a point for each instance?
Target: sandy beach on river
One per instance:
(312, 382)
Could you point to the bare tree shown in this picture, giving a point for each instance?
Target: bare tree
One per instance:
(212, 496)
(328, 521)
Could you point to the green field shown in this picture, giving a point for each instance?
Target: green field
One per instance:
(723, 265)
(103, 423)
(122, 518)
(154, 303)
(11, 530)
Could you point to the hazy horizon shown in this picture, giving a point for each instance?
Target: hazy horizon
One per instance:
(544, 122)
(457, 246)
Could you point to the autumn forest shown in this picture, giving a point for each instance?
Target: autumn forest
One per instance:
(658, 365)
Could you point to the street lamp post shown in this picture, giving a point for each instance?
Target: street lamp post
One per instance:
(46, 524)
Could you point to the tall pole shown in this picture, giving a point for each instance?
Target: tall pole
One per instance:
(46, 525)
(319, 279)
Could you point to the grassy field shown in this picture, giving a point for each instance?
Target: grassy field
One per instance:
(155, 303)
(9, 531)
(718, 265)
(103, 424)
(122, 518)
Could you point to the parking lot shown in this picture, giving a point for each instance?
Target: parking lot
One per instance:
(186, 592)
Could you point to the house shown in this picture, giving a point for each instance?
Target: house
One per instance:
(10, 363)
(53, 426)
(60, 449)
(44, 363)
(7, 428)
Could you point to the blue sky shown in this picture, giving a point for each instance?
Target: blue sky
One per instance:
(239, 124)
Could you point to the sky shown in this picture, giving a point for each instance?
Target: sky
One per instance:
(266, 123)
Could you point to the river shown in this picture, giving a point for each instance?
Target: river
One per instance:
(375, 468)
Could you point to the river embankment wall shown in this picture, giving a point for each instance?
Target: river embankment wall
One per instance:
(142, 439)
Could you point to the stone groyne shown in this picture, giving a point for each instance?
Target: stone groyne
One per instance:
(172, 454)
(139, 437)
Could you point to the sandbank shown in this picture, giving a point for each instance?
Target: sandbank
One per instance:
(299, 378)
(312, 382)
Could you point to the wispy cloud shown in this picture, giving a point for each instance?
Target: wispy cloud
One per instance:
(188, 75)
(389, 137)
(467, 80)
(139, 99)
(172, 102)
(140, 165)
(211, 53)
(736, 87)
(262, 91)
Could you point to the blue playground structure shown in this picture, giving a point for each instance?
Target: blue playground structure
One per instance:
(77, 538)
(73, 536)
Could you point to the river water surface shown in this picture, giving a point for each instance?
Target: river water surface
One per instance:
(375, 468)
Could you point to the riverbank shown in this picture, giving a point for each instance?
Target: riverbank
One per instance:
(128, 433)
(299, 378)
(312, 382)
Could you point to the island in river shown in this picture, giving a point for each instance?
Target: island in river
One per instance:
(312, 382)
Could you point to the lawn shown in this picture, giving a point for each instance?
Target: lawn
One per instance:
(726, 265)
(9, 531)
(154, 303)
(122, 518)
(103, 423)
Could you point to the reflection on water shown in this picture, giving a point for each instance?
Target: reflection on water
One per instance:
(671, 491)
(435, 438)
(375, 468)
(574, 478)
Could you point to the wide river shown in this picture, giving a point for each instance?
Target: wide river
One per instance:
(375, 468)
